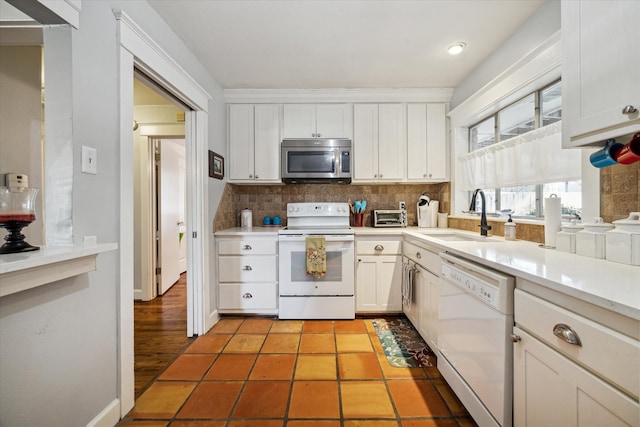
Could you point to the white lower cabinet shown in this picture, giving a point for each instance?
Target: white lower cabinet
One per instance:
(247, 274)
(590, 382)
(378, 275)
(423, 311)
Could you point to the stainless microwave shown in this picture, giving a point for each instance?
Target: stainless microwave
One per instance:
(316, 160)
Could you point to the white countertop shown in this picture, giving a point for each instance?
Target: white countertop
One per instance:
(606, 284)
(50, 255)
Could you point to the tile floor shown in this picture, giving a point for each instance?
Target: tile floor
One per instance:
(264, 372)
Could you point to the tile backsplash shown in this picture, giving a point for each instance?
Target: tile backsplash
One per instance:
(619, 195)
(271, 200)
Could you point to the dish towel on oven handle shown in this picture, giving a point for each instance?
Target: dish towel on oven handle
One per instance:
(407, 284)
(316, 256)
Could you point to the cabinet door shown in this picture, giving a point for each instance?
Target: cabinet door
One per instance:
(267, 142)
(433, 311)
(378, 283)
(299, 121)
(600, 42)
(426, 142)
(550, 390)
(241, 138)
(391, 142)
(365, 142)
(333, 121)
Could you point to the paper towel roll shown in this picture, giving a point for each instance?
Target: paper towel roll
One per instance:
(552, 219)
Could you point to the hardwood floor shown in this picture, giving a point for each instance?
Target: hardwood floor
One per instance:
(160, 333)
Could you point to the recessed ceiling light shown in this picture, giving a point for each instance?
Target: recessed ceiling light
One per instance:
(456, 48)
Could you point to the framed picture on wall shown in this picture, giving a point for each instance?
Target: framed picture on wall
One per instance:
(216, 165)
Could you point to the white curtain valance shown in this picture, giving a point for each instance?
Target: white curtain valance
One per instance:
(532, 158)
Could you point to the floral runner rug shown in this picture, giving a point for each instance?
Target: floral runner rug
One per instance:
(402, 344)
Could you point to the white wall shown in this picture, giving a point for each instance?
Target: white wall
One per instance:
(544, 23)
(58, 343)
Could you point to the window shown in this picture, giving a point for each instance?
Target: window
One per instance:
(536, 110)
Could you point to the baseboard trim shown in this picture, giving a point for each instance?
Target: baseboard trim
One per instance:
(137, 294)
(108, 417)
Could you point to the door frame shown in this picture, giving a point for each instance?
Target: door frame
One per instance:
(137, 49)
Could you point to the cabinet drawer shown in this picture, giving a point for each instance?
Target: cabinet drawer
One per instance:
(256, 296)
(429, 260)
(247, 269)
(247, 247)
(378, 247)
(609, 354)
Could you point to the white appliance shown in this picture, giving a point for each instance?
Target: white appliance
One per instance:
(304, 296)
(427, 212)
(475, 324)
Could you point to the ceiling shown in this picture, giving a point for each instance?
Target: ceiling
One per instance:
(324, 44)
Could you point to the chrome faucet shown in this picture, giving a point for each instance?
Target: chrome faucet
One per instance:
(484, 227)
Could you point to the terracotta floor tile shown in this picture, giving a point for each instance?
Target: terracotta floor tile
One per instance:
(317, 327)
(359, 366)
(255, 326)
(139, 423)
(316, 367)
(455, 406)
(310, 423)
(314, 399)
(355, 326)
(273, 367)
(263, 399)
(188, 367)
(256, 423)
(429, 423)
(281, 343)
(350, 343)
(377, 345)
(209, 343)
(417, 398)
(368, 324)
(398, 373)
(370, 423)
(231, 367)
(211, 400)
(317, 343)
(286, 327)
(198, 424)
(162, 399)
(365, 399)
(244, 343)
(226, 326)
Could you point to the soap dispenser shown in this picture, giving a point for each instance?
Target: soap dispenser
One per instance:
(510, 229)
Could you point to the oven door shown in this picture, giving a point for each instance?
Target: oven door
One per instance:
(294, 280)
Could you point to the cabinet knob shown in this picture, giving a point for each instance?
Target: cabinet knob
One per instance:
(567, 334)
(379, 248)
(313, 135)
(418, 255)
(247, 295)
(629, 109)
(375, 175)
(424, 175)
(380, 175)
(429, 176)
(250, 176)
(256, 176)
(247, 248)
(515, 338)
(319, 135)
(247, 268)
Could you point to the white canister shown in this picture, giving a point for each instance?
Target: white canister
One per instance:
(623, 243)
(591, 241)
(566, 238)
(246, 218)
(443, 219)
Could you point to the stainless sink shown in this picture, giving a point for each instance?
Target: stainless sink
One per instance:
(459, 237)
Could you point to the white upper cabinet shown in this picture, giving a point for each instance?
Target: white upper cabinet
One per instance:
(254, 143)
(379, 142)
(317, 121)
(427, 146)
(600, 78)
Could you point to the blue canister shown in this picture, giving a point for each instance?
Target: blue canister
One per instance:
(266, 221)
(276, 220)
(606, 155)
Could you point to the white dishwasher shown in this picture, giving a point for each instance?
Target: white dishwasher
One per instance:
(475, 323)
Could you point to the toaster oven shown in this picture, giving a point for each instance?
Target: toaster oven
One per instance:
(389, 218)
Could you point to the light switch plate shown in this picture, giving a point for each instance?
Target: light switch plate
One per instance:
(89, 160)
